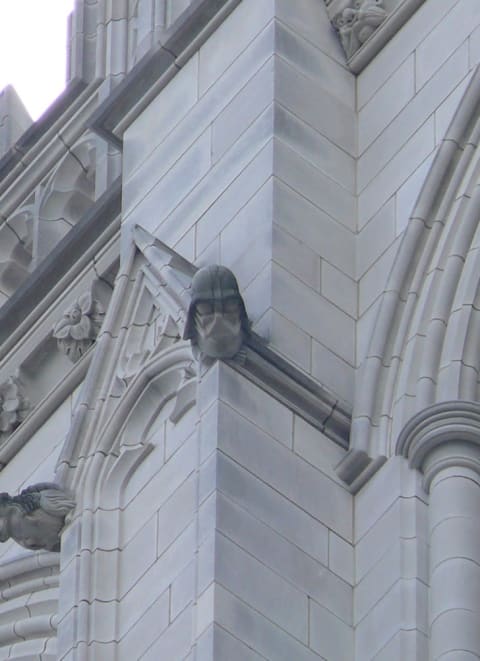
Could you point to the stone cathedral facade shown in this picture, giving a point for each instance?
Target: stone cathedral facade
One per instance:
(309, 490)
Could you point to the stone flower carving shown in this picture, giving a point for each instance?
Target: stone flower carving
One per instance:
(14, 405)
(36, 517)
(79, 326)
(355, 24)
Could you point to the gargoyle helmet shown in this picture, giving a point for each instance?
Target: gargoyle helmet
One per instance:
(213, 283)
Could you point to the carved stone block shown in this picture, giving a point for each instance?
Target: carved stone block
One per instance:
(79, 326)
(36, 517)
(357, 21)
(217, 322)
(14, 405)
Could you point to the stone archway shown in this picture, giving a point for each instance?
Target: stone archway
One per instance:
(424, 346)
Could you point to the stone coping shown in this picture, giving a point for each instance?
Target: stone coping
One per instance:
(153, 72)
(33, 134)
(60, 260)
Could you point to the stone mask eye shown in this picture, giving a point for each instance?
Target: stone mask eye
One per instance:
(230, 305)
(204, 308)
(3, 529)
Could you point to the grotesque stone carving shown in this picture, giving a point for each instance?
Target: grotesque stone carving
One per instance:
(36, 517)
(14, 405)
(356, 23)
(217, 322)
(77, 329)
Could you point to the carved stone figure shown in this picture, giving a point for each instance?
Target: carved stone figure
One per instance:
(79, 326)
(36, 517)
(14, 405)
(217, 322)
(357, 23)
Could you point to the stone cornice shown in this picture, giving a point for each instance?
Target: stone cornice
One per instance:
(68, 256)
(442, 436)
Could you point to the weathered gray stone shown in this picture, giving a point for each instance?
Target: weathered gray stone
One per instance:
(217, 322)
(36, 517)
(357, 22)
(211, 504)
(76, 331)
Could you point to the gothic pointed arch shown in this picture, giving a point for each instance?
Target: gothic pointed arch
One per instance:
(424, 348)
(142, 379)
(138, 348)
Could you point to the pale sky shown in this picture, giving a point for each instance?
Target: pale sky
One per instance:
(33, 37)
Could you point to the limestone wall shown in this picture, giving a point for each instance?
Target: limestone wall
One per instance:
(391, 566)
(247, 158)
(237, 536)
(280, 531)
(220, 529)
(253, 165)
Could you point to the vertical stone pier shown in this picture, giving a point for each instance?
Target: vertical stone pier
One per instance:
(443, 442)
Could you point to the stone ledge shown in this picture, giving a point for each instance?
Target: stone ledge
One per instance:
(301, 394)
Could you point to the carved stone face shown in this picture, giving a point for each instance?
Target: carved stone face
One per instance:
(11, 521)
(34, 531)
(218, 326)
(217, 322)
(35, 518)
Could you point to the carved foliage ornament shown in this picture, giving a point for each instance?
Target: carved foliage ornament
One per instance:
(14, 405)
(357, 22)
(36, 517)
(79, 326)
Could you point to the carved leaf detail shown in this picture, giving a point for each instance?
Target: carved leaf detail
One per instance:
(85, 303)
(82, 330)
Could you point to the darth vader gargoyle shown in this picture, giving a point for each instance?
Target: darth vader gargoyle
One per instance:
(217, 322)
(35, 518)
